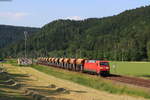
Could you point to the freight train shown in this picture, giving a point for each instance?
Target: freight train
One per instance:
(100, 67)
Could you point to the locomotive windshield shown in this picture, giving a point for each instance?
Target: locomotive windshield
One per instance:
(91, 61)
(104, 63)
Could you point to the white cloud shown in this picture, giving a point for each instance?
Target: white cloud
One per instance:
(13, 15)
(74, 18)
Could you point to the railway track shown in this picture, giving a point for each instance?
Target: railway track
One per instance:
(123, 79)
(130, 80)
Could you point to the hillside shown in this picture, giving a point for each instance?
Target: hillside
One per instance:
(11, 34)
(121, 37)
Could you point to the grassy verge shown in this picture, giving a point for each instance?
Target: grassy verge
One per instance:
(93, 82)
(10, 61)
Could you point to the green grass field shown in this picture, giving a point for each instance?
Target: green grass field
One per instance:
(140, 69)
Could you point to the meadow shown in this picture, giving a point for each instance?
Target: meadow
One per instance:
(139, 69)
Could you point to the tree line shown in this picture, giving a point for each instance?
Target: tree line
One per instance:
(123, 37)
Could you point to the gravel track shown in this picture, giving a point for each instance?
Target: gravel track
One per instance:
(130, 80)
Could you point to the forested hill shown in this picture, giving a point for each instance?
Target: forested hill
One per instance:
(10, 34)
(121, 37)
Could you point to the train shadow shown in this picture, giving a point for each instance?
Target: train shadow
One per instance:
(112, 75)
(148, 76)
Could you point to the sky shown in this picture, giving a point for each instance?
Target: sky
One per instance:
(37, 13)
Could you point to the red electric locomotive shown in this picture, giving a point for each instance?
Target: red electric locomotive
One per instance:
(96, 66)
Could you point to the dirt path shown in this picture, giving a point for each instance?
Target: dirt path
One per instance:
(40, 82)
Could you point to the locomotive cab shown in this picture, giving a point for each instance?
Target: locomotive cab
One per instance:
(104, 68)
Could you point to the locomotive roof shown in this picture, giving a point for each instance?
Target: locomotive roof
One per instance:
(100, 60)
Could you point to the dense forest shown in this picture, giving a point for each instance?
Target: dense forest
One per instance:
(11, 34)
(125, 36)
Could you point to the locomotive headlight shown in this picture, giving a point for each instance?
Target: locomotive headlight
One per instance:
(107, 67)
(101, 67)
